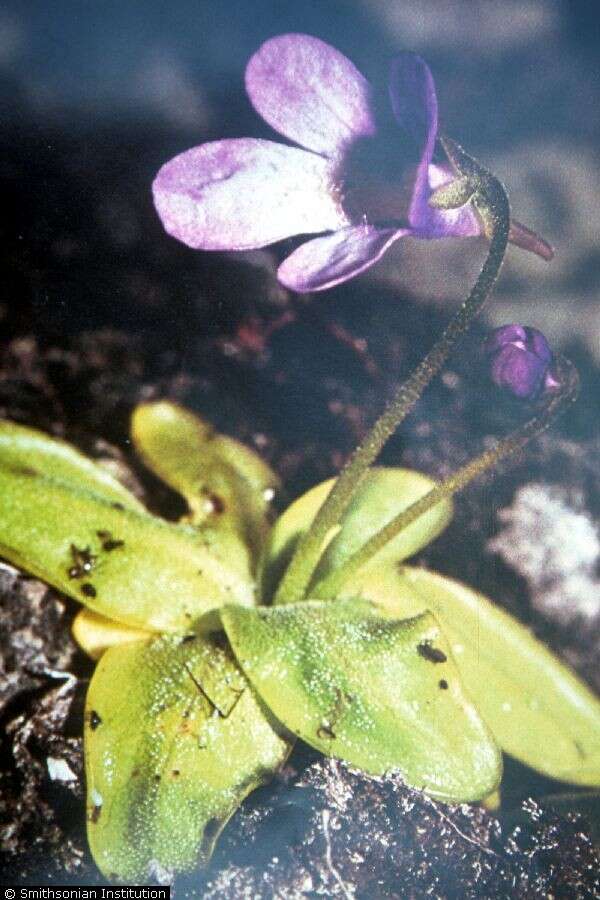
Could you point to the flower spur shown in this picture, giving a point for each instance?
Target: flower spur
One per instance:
(354, 180)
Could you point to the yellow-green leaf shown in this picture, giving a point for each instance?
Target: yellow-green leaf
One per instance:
(379, 694)
(33, 452)
(383, 494)
(226, 485)
(95, 633)
(118, 561)
(538, 709)
(175, 738)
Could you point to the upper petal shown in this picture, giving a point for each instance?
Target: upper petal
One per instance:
(414, 102)
(245, 193)
(310, 92)
(334, 258)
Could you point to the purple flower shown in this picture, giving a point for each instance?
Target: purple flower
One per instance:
(520, 361)
(246, 193)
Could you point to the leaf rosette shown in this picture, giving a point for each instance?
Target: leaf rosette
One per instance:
(201, 688)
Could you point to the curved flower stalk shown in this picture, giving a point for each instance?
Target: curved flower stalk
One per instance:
(488, 196)
(352, 178)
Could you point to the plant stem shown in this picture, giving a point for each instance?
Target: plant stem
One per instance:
(569, 382)
(491, 201)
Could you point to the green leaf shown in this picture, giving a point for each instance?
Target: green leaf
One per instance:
(538, 709)
(225, 484)
(383, 494)
(171, 757)
(118, 561)
(381, 695)
(95, 633)
(34, 452)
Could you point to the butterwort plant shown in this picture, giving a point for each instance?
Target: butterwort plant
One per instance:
(207, 674)
(224, 638)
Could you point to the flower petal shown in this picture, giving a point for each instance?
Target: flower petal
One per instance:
(518, 372)
(414, 102)
(439, 223)
(245, 193)
(334, 258)
(310, 92)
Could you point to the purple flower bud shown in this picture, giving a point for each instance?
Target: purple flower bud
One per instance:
(520, 361)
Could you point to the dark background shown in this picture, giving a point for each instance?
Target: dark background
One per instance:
(97, 95)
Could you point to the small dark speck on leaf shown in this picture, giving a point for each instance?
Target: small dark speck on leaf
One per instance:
(217, 503)
(108, 541)
(83, 561)
(157, 777)
(325, 731)
(95, 720)
(443, 684)
(23, 470)
(431, 653)
(117, 505)
(95, 814)
(175, 773)
(113, 544)
(186, 639)
(88, 590)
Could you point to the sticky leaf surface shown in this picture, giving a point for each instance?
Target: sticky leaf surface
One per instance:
(379, 694)
(118, 561)
(169, 758)
(33, 451)
(538, 709)
(226, 485)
